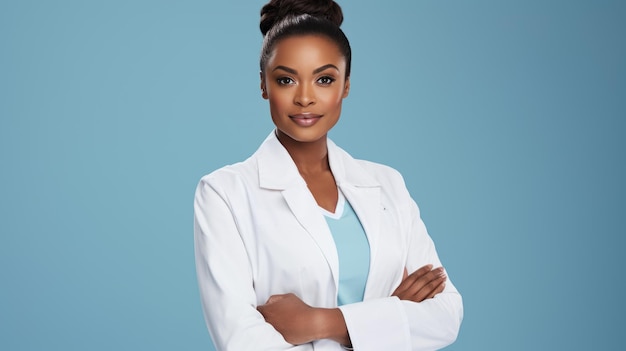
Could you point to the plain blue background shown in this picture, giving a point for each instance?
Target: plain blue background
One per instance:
(507, 119)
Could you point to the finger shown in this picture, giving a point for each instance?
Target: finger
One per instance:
(275, 298)
(433, 288)
(429, 290)
(422, 277)
(424, 285)
(408, 281)
(438, 290)
(423, 269)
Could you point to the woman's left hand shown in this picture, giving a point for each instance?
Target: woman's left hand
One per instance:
(291, 317)
(422, 284)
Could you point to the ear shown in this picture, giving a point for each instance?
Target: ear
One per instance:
(346, 88)
(263, 86)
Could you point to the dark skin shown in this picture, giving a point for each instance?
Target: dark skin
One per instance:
(306, 75)
(312, 162)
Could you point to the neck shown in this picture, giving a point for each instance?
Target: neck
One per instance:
(309, 157)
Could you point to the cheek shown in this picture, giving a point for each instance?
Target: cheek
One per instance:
(277, 102)
(333, 99)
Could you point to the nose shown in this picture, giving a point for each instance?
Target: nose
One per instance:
(305, 95)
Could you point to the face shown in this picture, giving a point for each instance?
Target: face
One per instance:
(305, 84)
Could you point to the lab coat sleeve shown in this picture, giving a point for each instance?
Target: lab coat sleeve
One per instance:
(225, 277)
(393, 324)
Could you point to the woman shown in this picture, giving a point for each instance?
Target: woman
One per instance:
(302, 247)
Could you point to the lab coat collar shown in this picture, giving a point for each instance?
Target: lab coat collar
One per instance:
(277, 170)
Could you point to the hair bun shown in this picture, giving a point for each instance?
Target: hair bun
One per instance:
(276, 10)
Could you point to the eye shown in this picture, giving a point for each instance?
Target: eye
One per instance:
(326, 80)
(284, 81)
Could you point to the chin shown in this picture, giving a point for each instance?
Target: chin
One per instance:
(303, 136)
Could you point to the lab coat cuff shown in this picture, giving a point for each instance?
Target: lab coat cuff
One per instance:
(377, 324)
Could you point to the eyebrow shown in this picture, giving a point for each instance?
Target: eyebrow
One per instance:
(316, 71)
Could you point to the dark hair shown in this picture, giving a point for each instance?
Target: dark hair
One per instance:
(281, 19)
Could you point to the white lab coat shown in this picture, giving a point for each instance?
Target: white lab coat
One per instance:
(259, 232)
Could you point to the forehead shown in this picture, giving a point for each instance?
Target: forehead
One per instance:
(307, 50)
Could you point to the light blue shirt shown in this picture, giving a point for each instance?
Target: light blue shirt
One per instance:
(353, 251)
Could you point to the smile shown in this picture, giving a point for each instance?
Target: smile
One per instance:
(305, 119)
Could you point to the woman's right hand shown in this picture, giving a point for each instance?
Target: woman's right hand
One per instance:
(422, 284)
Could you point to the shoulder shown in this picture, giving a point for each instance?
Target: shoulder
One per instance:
(380, 170)
(388, 177)
(231, 177)
(244, 171)
(364, 171)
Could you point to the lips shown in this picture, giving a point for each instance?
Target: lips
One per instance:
(305, 119)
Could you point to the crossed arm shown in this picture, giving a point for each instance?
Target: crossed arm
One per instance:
(300, 323)
(410, 316)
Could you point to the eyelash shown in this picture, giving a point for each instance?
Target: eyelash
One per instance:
(325, 80)
(329, 80)
(284, 81)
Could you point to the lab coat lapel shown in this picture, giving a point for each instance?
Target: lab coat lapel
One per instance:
(306, 211)
(362, 191)
(277, 171)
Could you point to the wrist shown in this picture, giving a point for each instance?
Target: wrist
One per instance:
(329, 324)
